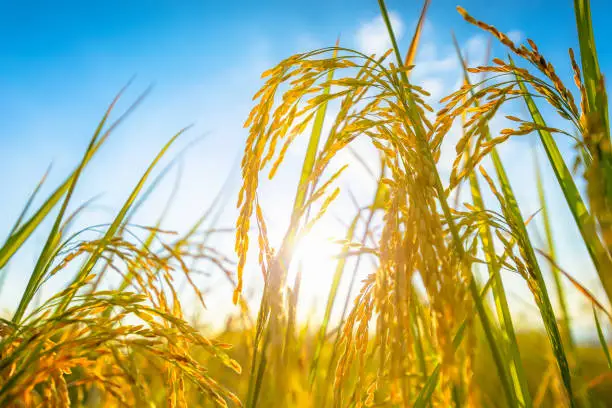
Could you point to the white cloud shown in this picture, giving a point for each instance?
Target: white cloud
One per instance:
(372, 36)
(516, 36)
(475, 50)
(429, 60)
(307, 41)
(435, 86)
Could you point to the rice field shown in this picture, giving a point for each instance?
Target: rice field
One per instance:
(418, 312)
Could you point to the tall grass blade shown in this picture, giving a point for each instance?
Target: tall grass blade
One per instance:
(311, 151)
(16, 240)
(28, 204)
(53, 239)
(519, 378)
(117, 222)
(565, 318)
(602, 339)
(593, 78)
(416, 37)
(586, 225)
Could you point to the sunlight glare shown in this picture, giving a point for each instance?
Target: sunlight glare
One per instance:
(316, 253)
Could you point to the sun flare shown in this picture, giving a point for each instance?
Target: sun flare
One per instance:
(316, 253)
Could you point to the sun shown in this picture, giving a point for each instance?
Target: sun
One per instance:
(316, 254)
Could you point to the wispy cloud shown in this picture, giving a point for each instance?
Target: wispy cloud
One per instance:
(372, 36)
(516, 35)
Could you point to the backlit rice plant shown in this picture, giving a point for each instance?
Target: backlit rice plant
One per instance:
(429, 322)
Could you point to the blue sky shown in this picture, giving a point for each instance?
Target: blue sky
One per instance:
(62, 62)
